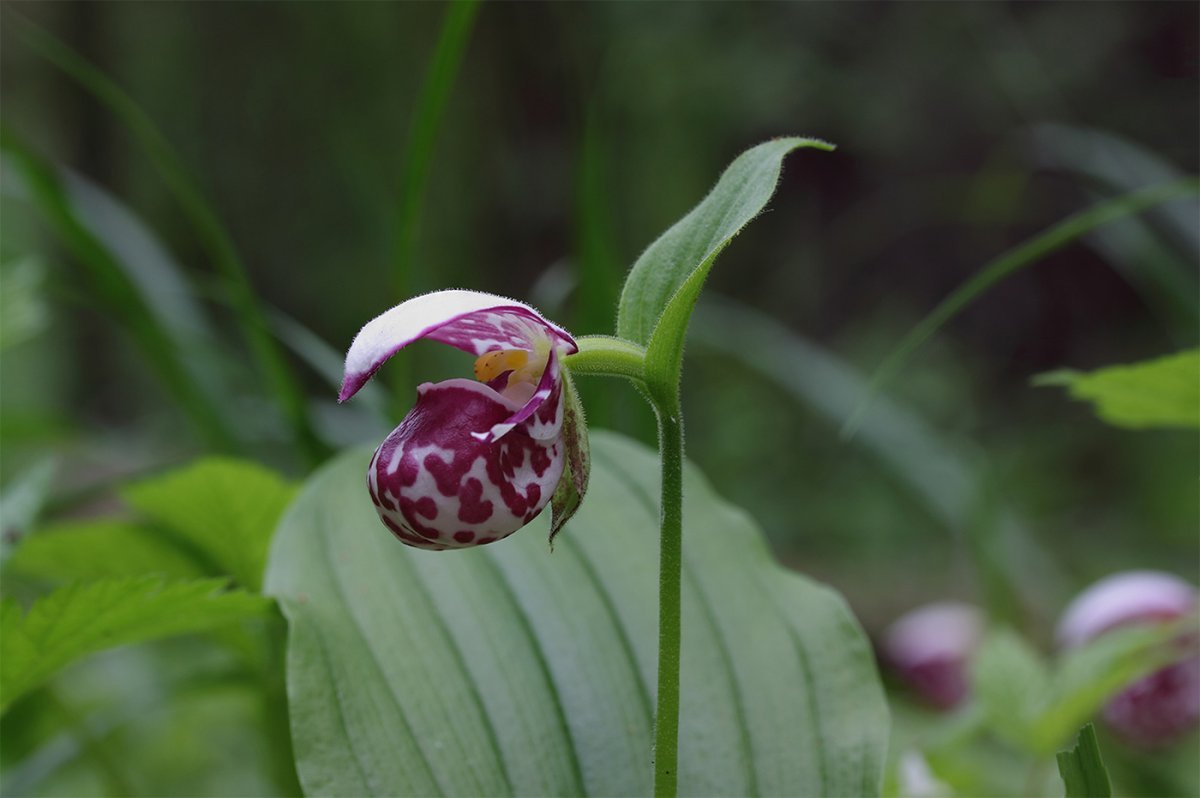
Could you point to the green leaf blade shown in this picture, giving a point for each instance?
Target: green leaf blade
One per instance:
(82, 619)
(686, 251)
(1082, 768)
(1160, 393)
(1086, 677)
(1012, 683)
(226, 508)
(538, 669)
(98, 549)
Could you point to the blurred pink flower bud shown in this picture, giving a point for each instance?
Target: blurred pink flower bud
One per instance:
(1158, 708)
(930, 647)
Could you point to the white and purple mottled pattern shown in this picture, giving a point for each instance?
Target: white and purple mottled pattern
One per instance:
(550, 382)
(470, 464)
(437, 486)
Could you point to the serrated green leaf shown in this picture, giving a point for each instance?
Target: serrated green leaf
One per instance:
(226, 508)
(508, 670)
(81, 619)
(83, 550)
(1163, 392)
(664, 283)
(1082, 768)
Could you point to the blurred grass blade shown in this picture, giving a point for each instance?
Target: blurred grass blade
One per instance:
(205, 222)
(21, 503)
(596, 263)
(1165, 275)
(328, 363)
(1019, 257)
(418, 156)
(116, 290)
(160, 279)
(947, 475)
(1082, 768)
(1119, 166)
(23, 311)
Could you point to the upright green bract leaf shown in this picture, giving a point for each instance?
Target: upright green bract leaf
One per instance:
(666, 280)
(510, 670)
(226, 508)
(1082, 769)
(82, 619)
(1164, 392)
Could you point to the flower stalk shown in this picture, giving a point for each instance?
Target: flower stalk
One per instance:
(670, 565)
(608, 356)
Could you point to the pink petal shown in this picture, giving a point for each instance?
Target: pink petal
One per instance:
(931, 648)
(1122, 598)
(472, 321)
(438, 486)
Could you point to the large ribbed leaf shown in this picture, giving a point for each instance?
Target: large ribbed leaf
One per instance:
(511, 670)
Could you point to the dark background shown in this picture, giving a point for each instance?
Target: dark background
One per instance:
(574, 134)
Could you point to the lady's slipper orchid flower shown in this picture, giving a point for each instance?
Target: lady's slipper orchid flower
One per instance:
(474, 460)
(930, 648)
(1160, 708)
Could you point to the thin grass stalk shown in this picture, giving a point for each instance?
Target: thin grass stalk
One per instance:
(212, 234)
(418, 155)
(114, 288)
(1015, 259)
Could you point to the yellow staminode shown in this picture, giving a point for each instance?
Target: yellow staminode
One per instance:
(493, 364)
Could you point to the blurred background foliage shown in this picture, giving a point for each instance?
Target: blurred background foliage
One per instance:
(570, 136)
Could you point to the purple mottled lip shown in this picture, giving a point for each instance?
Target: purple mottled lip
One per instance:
(930, 648)
(473, 461)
